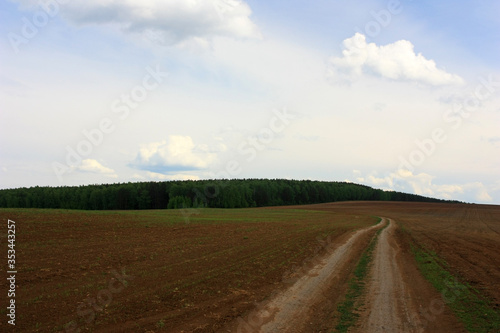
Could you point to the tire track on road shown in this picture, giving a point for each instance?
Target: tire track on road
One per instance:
(389, 307)
(290, 310)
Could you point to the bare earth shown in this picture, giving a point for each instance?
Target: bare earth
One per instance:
(289, 311)
(274, 269)
(389, 306)
(397, 297)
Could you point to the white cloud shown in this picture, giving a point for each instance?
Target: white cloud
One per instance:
(422, 184)
(178, 153)
(396, 61)
(180, 176)
(94, 166)
(165, 21)
(481, 192)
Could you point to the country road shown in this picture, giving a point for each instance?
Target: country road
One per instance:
(394, 299)
(389, 306)
(388, 303)
(289, 310)
(322, 268)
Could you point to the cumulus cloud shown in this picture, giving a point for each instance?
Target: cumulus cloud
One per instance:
(396, 61)
(481, 192)
(94, 166)
(178, 153)
(422, 184)
(166, 21)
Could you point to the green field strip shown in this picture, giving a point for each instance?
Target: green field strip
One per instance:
(472, 308)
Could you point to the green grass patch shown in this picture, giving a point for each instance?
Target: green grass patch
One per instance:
(349, 307)
(377, 219)
(473, 309)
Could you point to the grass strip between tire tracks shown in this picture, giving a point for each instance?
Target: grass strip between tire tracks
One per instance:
(348, 308)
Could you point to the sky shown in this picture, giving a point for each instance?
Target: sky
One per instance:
(398, 95)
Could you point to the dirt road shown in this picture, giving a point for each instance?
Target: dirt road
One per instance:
(397, 298)
(389, 306)
(290, 310)
(239, 267)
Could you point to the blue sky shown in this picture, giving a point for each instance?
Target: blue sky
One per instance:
(401, 95)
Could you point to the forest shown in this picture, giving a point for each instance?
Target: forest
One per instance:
(236, 193)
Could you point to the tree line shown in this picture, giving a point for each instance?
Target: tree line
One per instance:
(237, 193)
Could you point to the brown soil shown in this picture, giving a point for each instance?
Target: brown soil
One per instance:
(466, 236)
(289, 311)
(208, 274)
(388, 308)
(398, 296)
(179, 276)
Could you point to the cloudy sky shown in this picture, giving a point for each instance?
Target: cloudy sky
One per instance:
(401, 95)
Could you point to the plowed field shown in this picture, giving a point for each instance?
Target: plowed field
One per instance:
(246, 270)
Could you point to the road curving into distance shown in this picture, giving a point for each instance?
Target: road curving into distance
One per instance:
(389, 306)
(289, 310)
(387, 303)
